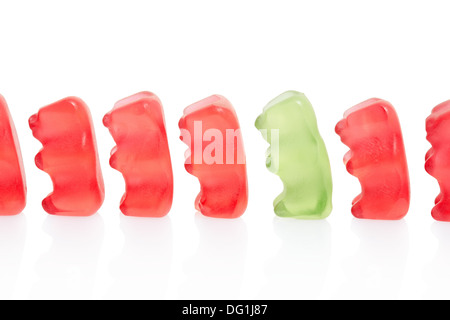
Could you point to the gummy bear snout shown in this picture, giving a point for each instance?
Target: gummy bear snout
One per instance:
(341, 126)
(33, 121)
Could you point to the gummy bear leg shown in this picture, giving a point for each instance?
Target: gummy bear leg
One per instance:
(357, 210)
(280, 209)
(441, 212)
(49, 206)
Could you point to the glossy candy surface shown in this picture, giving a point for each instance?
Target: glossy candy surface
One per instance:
(298, 155)
(216, 157)
(377, 158)
(13, 190)
(69, 155)
(438, 157)
(142, 155)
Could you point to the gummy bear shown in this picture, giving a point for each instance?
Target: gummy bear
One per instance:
(377, 158)
(298, 155)
(216, 157)
(13, 190)
(438, 157)
(69, 155)
(142, 155)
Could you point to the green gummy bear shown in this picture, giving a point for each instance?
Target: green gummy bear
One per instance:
(297, 154)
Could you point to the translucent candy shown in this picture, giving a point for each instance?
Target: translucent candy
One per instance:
(142, 155)
(216, 157)
(377, 158)
(69, 156)
(298, 155)
(438, 157)
(13, 190)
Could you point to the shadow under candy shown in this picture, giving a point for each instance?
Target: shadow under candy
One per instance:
(377, 268)
(216, 270)
(68, 269)
(436, 273)
(302, 262)
(12, 242)
(143, 268)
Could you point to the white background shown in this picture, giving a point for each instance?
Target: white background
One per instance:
(338, 53)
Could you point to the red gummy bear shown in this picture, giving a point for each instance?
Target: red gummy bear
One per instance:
(219, 164)
(438, 157)
(377, 158)
(142, 155)
(13, 190)
(69, 155)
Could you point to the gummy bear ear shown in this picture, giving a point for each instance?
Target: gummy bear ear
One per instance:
(380, 113)
(370, 114)
(442, 107)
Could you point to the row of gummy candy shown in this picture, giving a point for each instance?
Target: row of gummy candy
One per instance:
(297, 154)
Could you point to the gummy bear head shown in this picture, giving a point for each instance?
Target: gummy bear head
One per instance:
(366, 122)
(58, 116)
(289, 124)
(438, 124)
